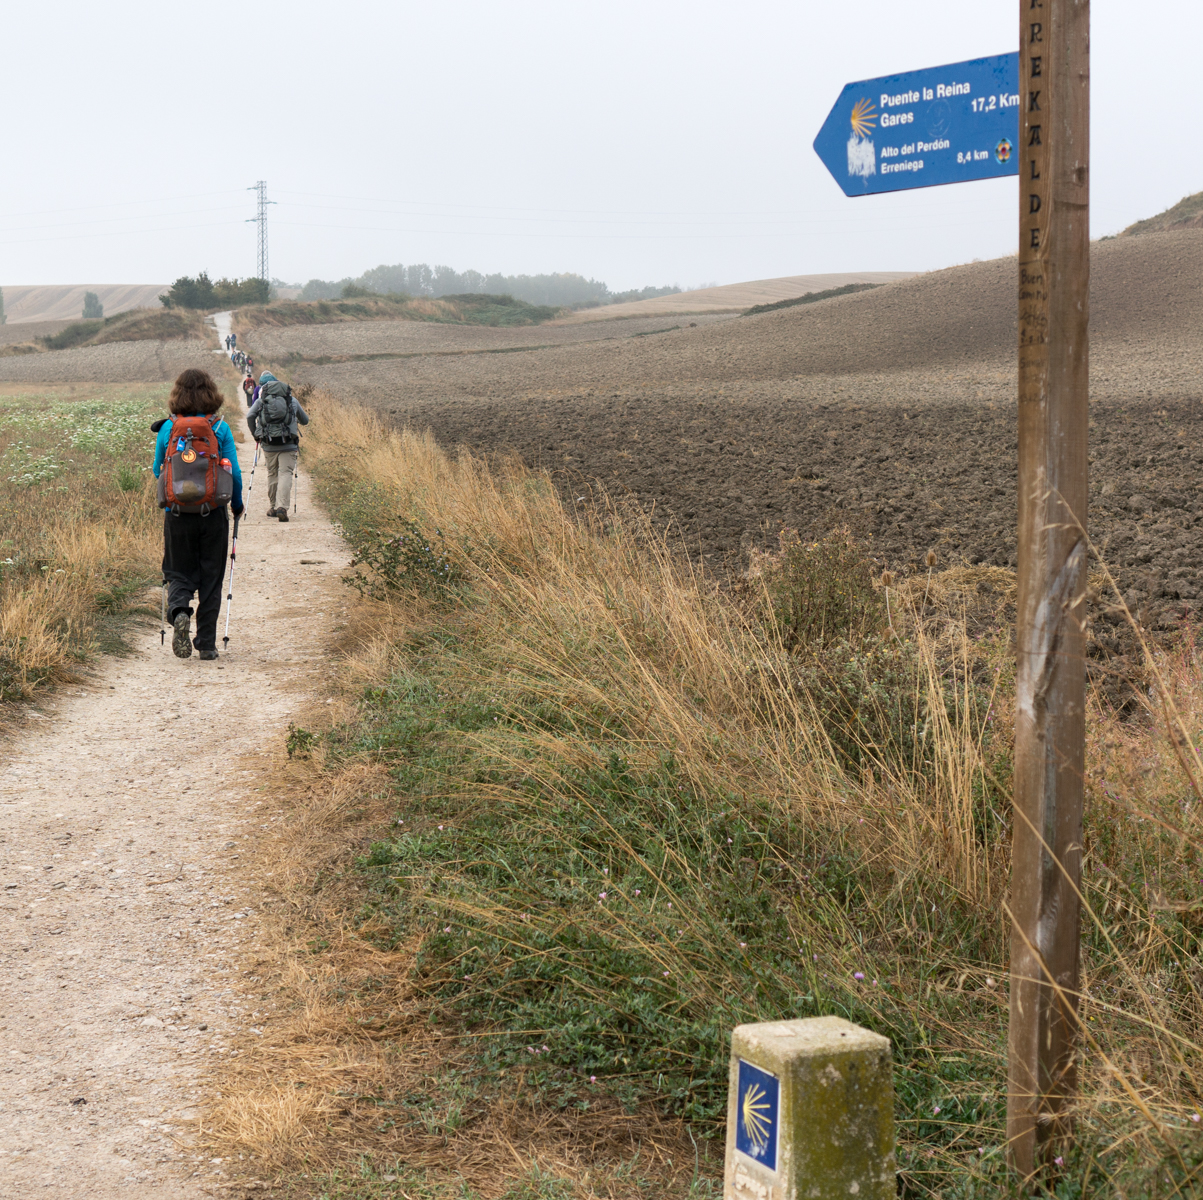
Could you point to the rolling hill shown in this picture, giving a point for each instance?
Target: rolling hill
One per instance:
(733, 296)
(66, 302)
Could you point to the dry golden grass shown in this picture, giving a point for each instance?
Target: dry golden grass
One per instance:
(589, 613)
(78, 523)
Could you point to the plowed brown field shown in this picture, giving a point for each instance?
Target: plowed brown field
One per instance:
(892, 409)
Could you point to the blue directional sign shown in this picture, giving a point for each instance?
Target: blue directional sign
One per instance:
(947, 124)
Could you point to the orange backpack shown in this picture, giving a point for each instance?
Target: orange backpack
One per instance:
(195, 478)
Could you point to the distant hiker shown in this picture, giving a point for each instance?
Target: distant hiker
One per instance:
(273, 422)
(234, 340)
(250, 365)
(248, 389)
(196, 465)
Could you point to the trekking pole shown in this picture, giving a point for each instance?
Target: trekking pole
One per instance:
(225, 641)
(163, 615)
(251, 485)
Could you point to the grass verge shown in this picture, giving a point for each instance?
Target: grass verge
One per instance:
(458, 310)
(78, 524)
(581, 812)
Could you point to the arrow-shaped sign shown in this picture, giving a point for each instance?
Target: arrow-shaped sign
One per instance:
(947, 124)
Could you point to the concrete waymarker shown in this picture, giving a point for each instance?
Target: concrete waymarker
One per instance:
(810, 1112)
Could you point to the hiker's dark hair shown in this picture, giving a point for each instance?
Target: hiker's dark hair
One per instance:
(194, 393)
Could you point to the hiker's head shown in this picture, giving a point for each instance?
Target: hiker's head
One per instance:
(194, 392)
(267, 377)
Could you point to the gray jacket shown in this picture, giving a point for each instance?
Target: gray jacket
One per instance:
(300, 417)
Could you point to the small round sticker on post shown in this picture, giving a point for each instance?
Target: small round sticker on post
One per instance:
(1003, 151)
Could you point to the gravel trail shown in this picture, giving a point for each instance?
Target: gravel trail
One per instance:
(126, 915)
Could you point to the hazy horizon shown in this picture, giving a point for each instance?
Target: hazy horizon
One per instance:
(639, 146)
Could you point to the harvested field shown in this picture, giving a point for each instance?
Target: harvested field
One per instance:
(66, 302)
(26, 331)
(892, 409)
(732, 296)
(115, 362)
(406, 338)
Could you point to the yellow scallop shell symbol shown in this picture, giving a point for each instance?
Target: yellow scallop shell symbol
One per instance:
(756, 1119)
(189, 456)
(864, 118)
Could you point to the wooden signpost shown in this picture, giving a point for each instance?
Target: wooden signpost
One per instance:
(1027, 115)
(1054, 304)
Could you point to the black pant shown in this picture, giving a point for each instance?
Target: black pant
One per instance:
(194, 560)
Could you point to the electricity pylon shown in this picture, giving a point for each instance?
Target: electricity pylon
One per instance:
(261, 221)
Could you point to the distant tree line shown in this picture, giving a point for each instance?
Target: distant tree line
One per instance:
(203, 293)
(418, 279)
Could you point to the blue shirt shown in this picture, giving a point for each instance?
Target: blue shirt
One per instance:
(225, 443)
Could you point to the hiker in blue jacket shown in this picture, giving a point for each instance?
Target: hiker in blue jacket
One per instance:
(194, 543)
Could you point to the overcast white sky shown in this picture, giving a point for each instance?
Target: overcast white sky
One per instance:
(636, 141)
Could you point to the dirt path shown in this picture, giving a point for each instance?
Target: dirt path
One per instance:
(126, 915)
(223, 322)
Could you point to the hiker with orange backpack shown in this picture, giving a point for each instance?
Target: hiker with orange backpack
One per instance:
(196, 464)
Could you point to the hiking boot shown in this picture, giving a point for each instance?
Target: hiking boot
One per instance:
(181, 641)
(282, 513)
(208, 655)
(273, 512)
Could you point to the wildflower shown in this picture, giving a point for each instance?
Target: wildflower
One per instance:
(728, 841)
(935, 1111)
(816, 958)
(1059, 1161)
(546, 1050)
(1195, 1117)
(670, 904)
(605, 870)
(446, 928)
(440, 827)
(638, 892)
(858, 975)
(592, 1078)
(743, 945)
(665, 974)
(601, 895)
